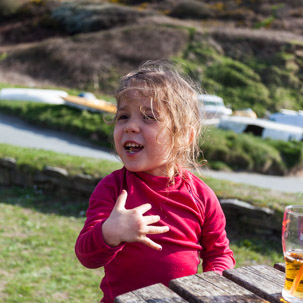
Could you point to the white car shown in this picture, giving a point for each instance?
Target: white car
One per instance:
(212, 106)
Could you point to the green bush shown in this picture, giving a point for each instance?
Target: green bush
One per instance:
(232, 73)
(246, 152)
(237, 83)
(291, 153)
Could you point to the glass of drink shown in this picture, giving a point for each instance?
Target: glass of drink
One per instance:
(292, 242)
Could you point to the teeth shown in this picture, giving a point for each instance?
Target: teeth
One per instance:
(133, 145)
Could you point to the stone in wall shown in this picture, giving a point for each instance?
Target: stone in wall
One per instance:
(261, 219)
(6, 165)
(84, 183)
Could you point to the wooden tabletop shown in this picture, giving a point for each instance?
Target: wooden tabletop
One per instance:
(258, 283)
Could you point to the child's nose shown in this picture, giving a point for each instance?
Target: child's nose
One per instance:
(132, 127)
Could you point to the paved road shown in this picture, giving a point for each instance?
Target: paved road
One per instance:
(16, 132)
(283, 184)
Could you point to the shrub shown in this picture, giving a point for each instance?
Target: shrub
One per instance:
(9, 7)
(291, 152)
(240, 85)
(77, 18)
(191, 9)
(243, 152)
(267, 22)
(232, 73)
(37, 8)
(240, 14)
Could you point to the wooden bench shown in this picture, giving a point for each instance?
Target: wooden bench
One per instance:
(258, 283)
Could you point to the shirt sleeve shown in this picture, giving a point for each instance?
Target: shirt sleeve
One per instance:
(215, 254)
(90, 248)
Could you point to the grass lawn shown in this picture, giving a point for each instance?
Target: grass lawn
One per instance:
(37, 260)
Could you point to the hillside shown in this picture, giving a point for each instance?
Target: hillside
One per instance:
(248, 52)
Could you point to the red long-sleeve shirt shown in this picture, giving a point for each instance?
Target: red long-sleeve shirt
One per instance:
(196, 227)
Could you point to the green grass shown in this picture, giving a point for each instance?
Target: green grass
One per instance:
(30, 159)
(37, 260)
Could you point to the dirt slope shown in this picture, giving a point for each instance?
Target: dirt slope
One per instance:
(89, 44)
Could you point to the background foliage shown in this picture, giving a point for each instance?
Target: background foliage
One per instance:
(224, 150)
(248, 52)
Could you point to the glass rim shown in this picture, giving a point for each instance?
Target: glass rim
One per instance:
(292, 209)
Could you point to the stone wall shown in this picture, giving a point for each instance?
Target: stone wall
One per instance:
(243, 215)
(55, 179)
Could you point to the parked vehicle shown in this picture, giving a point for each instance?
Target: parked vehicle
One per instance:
(50, 96)
(262, 128)
(212, 106)
(247, 112)
(289, 117)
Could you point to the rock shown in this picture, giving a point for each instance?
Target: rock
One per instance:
(55, 171)
(244, 215)
(8, 162)
(244, 207)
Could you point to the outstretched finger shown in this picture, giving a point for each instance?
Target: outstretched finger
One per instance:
(121, 200)
(154, 230)
(151, 219)
(148, 242)
(144, 208)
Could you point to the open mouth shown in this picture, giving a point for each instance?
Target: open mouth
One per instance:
(133, 148)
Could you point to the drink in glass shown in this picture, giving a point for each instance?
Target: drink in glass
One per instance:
(292, 242)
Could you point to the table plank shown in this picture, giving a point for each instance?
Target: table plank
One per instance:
(157, 293)
(280, 266)
(210, 287)
(267, 282)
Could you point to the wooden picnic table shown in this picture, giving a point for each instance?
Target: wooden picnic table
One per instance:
(257, 283)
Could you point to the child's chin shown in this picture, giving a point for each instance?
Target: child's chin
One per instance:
(133, 169)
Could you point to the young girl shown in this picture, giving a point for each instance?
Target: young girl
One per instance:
(151, 220)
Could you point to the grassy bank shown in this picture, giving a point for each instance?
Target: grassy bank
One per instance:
(30, 159)
(222, 149)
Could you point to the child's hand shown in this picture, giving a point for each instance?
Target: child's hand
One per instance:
(129, 225)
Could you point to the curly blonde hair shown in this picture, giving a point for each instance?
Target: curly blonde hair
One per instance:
(173, 93)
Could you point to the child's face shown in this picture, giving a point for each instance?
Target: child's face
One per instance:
(141, 141)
